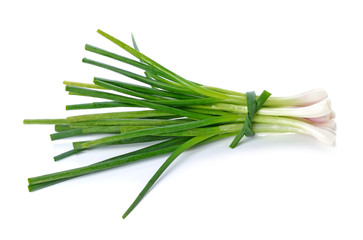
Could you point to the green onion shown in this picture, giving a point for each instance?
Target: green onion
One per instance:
(176, 114)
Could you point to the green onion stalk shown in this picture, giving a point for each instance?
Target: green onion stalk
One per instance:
(180, 114)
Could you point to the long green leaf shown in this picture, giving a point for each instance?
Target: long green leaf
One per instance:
(143, 153)
(192, 86)
(140, 103)
(163, 129)
(185, 146)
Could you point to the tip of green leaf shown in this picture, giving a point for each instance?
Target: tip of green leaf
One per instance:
(101, 32)
(126, 213)
(53, 137)
(232, 146)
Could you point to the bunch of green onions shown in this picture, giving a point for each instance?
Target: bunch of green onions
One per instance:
(182, 114)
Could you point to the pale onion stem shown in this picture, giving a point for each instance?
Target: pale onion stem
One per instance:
(316, 110)
(323, 135)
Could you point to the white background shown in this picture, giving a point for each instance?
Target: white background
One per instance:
(276, 187)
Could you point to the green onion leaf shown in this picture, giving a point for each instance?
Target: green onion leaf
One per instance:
(188, 144)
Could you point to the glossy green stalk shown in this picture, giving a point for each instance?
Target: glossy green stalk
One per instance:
(140, 103)
(163, 129)
(95, 105)
(185, 146)
(85, 130)
(163, 80)
(137, 49)
(146, 80)
(174, 77)
(116, 115)
(147, 90)
(126, 90)
(67, 154)
(143, 153)
(84, 85)
(45, 121)
(119, 58)
(66, 134)
(78, 145)
(129, 122)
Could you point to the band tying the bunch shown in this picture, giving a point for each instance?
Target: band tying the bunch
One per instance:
(253, 105)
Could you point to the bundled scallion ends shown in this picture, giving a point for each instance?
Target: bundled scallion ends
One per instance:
(182, 114)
